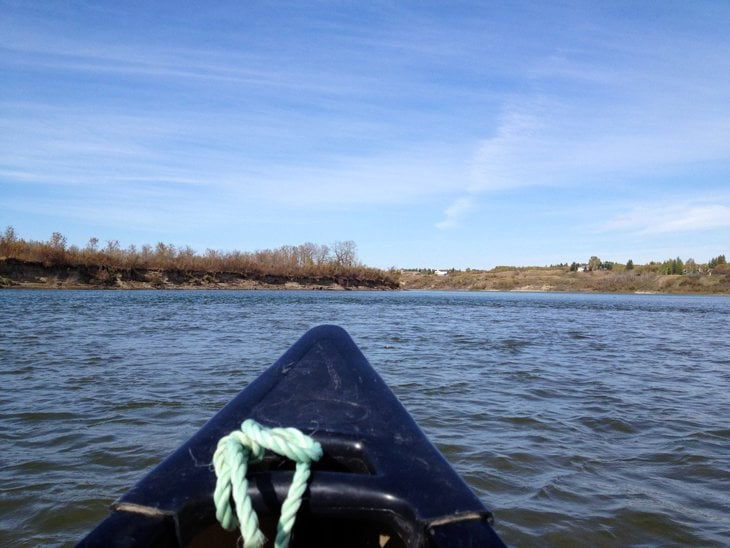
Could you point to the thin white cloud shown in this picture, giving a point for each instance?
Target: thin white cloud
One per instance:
(638, 107)
(547, 143)
(404, 176)
(254, 159)
(671, 219)
(455, 213)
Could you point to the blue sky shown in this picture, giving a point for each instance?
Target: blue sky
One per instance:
(433, 134)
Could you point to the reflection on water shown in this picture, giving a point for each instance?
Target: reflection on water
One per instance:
(578, 419)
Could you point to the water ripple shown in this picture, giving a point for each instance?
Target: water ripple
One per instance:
(579, 419)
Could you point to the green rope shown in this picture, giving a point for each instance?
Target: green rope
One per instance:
(231, 459)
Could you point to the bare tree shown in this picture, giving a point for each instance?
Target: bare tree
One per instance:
(345, 253)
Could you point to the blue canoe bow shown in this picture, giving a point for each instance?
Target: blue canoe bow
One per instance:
(380, 482)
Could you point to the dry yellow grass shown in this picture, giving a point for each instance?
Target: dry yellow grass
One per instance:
(560, 279)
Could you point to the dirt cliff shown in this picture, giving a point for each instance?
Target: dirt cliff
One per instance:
(26, 274)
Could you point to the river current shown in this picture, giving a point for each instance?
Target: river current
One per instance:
(579, 419)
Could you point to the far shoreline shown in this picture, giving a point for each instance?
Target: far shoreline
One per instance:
(337, 289)
(15, 273)
(19, 274)
(562, 280)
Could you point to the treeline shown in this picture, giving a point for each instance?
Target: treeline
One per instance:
(307, 260)
(674, 266)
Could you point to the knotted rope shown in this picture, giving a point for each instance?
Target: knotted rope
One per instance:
(231, 459)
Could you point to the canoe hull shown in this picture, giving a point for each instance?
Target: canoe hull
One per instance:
(379, 483)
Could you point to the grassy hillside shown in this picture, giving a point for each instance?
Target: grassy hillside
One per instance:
(562, 279)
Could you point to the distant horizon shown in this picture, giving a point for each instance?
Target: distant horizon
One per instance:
(453, 135)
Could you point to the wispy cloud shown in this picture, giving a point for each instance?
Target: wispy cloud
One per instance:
(547, 143)
(653, 106)
(671, 218)
(455, 212)
(79, 149)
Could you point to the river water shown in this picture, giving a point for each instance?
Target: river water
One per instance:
(579, 419)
